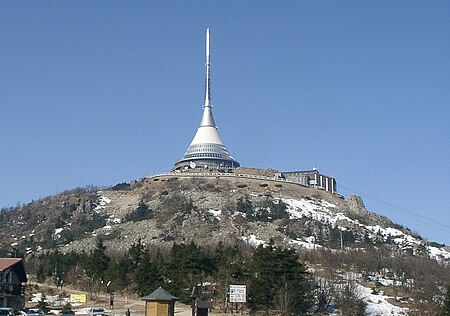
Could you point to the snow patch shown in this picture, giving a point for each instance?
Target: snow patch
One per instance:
(215, 213)
(377, 304)
(316, 210)
(58, 231)
(113, 220)
(438, 253)
(319, 210)
(310, 245)
(101, 203)
(252, 240)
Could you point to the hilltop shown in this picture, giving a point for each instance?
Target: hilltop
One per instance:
(206, 207)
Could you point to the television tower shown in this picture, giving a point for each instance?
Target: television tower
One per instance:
(207, 149)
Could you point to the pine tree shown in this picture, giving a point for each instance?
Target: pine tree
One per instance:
(119, 273)
(147, 276)
(279, 281)
(43, 305)
(135, 254)
(188, 266)
(98, 261)
(67, 309)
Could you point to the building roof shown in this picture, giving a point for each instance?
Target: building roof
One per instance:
(306, 172)
(160, 295)
(16, 264)
(6, 263)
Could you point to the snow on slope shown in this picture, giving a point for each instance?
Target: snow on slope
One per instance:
(322, 211)
(252, 240)
(377, 304)
(102, 202)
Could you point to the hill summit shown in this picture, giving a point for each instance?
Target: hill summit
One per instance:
(248, 205)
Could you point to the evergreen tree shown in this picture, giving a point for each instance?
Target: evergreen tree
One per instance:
(40, 275)
(119, 273)
(147, 276)
(188, 266)
(98, 261)
(230, 270)
(279, 281)
(43, 305)
(229, 263)
(135, 254)
(67, 309)
(141, 213)
(245, 206)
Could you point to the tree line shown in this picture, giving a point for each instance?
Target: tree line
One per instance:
(276, 279)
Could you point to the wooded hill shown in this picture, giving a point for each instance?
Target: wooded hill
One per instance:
(192, 218)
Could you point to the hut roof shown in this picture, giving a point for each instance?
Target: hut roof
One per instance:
(160, 295)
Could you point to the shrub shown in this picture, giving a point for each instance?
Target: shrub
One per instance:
(142, 213)
(121, 186)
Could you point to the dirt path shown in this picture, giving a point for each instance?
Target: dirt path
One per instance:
(121, 303)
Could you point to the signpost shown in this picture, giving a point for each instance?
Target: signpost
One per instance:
(238, 294)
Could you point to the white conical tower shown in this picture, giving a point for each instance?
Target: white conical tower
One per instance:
(207, 149)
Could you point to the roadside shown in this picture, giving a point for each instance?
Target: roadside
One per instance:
(121, 303)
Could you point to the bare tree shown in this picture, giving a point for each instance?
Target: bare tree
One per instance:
(349, 300)
(324, 294)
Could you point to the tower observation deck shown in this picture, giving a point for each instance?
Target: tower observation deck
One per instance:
(207, 149)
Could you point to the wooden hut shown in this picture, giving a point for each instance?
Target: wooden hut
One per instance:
(160, 303)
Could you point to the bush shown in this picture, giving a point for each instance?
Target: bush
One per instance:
(140, 214)
(121, 186)
(67, 310)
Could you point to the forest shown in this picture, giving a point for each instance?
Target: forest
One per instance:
(279, 280)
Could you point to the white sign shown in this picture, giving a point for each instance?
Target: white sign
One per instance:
(238, 294)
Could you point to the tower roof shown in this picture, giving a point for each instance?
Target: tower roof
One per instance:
(207, 148)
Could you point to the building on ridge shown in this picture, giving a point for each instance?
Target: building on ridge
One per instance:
(312, 178)
(207, 149)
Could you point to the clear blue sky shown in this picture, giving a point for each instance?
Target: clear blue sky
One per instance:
(102, 92)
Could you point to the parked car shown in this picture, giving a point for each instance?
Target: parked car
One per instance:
(6, 311)
(35, 312)
(96, 311)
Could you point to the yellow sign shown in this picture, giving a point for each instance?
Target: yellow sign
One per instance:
(77, 298)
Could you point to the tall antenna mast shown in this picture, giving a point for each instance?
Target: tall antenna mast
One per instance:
(208, 73)
(207, 117)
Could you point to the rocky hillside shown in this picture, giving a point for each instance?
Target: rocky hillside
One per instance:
(207, 208)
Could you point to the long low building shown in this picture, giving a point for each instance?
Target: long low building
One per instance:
(312, 178)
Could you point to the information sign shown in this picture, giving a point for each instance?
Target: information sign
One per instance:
(238, 294)
(77, 298)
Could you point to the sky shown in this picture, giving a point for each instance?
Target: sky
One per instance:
(104, 92)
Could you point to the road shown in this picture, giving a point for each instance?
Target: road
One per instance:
(121, 303)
